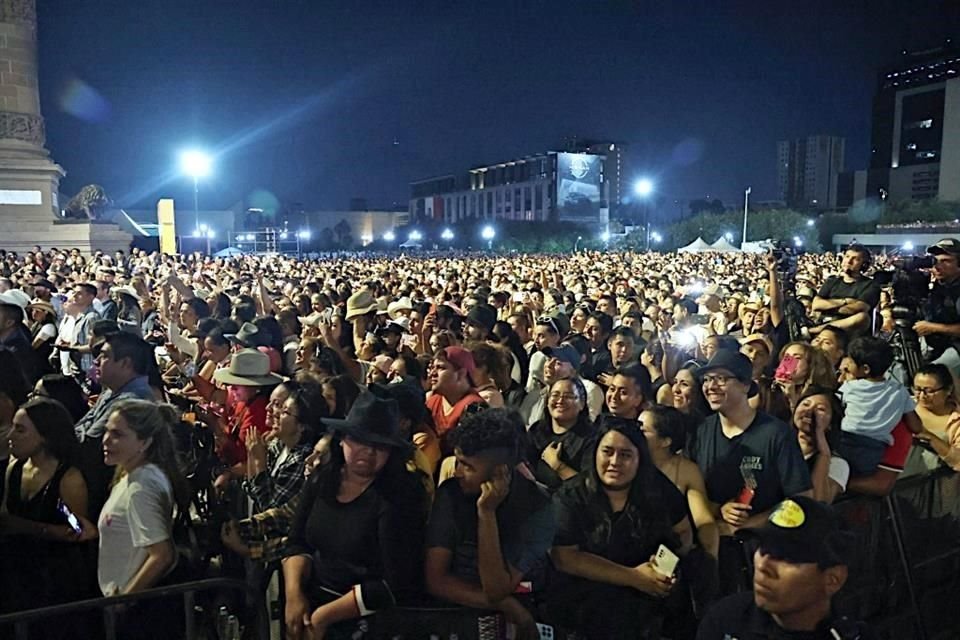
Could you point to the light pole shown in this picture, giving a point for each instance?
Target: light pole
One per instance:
(644, 189)
(197, 165)
(488, 234)
(577, 243)
(746, 206)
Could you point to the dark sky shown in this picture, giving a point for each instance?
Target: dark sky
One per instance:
(318, 101)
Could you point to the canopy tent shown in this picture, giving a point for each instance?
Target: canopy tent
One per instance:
(697, 246)
(723, 245)
(229, 252)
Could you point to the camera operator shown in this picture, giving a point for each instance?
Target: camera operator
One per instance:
(847, 301)
(940, 327)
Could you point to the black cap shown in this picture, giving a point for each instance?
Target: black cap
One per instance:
(801, 530)
(482, 316)
(949, 246)
(733, 361)
(566, 353)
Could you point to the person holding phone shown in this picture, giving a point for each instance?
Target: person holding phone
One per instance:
(613, 518)
(37, 545)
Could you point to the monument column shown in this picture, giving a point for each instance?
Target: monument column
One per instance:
(29, 179)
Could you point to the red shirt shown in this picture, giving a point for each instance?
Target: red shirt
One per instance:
(896, 454)
(241, 418)
(444, 422)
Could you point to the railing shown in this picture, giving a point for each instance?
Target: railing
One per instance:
(21, 620)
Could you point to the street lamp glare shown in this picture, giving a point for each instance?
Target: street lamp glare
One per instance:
(447, 234)
(643, 187)
(415, 236)
(389, 236)
(488, 233)
(810, 222)
(196, 164)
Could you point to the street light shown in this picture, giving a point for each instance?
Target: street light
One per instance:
(304, 234)
(797, 241)
(746, 205)
(447, 235)
(389, 236)
(656, 237)
(907, 246)
(729, 236)
(415, 236)
(488, 234)
(577, 243)
(644, 189)
(196, 164)
(810, 222)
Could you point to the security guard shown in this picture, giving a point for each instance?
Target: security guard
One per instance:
(801, 561)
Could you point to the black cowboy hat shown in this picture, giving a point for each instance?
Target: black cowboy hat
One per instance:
(372, 420)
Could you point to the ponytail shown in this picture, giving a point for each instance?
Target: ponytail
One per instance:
(149, 420)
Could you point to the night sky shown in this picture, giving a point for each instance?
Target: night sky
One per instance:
(317, 102)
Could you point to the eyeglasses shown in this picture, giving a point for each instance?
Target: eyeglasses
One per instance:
(563, 397)
(926, 392)
(550, 322)
(719, 380)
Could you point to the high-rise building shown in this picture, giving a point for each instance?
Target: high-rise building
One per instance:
(807, 170)
(915, 132)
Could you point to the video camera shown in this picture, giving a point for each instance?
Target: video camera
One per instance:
(910, 284)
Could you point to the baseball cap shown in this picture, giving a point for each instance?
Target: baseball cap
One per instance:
(460, 358)
(736, 363)
(947, 245)
(801, 530)
(566, 353)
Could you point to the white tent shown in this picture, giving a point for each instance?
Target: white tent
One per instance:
(723, 245)
(229, 252)
(697, 246)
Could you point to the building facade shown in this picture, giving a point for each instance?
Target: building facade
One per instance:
(915, 133)
(807, 171)
(548, 187)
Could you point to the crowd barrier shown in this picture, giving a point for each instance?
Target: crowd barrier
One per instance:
(905, 574)
(904, 577)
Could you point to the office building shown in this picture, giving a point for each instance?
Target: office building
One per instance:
(548, 187)
(915, 133)
(807, 171)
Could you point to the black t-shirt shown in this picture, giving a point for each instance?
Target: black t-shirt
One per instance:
(767, 448)
(863, 289)
(575, 448)
(526, 522)
(737, 616)
(585, 519)
(943, 306)
(375, 537)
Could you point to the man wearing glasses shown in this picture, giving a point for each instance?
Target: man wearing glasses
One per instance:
(749, 460)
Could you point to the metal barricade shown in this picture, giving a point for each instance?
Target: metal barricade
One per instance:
(22, 620)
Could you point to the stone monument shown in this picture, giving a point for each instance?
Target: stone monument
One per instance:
(29, 179)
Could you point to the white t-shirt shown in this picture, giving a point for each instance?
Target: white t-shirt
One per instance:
(47, 331)
(138, 513)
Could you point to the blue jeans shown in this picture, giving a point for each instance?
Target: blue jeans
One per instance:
(863, 454)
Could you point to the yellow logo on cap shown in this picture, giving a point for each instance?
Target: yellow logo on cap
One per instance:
(788, 515)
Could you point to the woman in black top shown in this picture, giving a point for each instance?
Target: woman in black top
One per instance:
(42, 562)
(560, 440)
(612, 519)
(356, 543)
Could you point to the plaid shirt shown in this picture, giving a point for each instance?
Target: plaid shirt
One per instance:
(274, 486)
(266, 533)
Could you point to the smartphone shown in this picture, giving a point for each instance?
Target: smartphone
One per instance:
(665, 562)
(786, 369)
(72, 519)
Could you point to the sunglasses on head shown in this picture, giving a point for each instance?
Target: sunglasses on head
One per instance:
(550, 322)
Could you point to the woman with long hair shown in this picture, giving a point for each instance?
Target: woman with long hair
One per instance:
(136, 524)
(43, 329)
(340, 392)
(817, 421)
(491, 376)
(686, 393)
(356, 542)
(665, 429)
(612, 519)
(37, 540)
(939, 410)
(800, 367)
(508, 338)
(559, 442)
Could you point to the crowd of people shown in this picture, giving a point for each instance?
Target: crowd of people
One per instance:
(618, 445)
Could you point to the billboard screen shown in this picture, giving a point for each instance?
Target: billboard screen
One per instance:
(579, 186)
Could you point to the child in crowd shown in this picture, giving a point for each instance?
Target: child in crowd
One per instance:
(873, 405)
